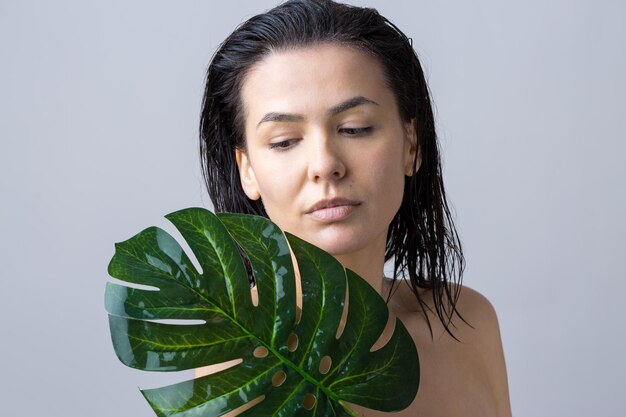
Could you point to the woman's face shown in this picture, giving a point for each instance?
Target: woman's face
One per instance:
(326, 150)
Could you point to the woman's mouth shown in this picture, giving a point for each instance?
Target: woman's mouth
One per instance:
(332, 210)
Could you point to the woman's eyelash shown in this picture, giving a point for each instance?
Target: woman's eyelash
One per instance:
(356, 131)
(350, 131)
(282, 144)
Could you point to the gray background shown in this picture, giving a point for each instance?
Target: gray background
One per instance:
(99, 106)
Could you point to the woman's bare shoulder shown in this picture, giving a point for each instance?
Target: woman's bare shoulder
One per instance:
(478, 344)
(482, 334)
(478, 313)
(475, 311)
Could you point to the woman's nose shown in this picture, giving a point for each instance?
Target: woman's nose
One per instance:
(325, 160)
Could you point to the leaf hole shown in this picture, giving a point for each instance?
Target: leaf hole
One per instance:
(260, 352)
(212, 369)
(246, 264)
(292, 342)
(254, 293)
(279, 378)
(179, 322)
(325, 364)
(133, 285)
(169, 228)
(298, 313)
(385, 336)
(344, 313)
(309, 401)
(240, 410)
(298, 281)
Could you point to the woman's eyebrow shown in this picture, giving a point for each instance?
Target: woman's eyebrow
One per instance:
(336, 109)
(349, 104)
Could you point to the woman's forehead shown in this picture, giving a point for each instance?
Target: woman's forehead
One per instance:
(313, 78)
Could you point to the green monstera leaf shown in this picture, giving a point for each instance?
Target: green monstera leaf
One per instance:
(288, 365)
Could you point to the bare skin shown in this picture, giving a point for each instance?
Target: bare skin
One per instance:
(322, 124)
(466, 378)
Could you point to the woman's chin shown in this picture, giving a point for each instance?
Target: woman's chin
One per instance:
(343, 243)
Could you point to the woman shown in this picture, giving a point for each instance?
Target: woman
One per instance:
(317, 115)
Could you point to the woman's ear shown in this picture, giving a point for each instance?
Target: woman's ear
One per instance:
(410, 148)
(246, 175)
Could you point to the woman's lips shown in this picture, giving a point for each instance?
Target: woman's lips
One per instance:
(334, 213)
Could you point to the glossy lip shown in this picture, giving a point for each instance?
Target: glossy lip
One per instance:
(332, 209)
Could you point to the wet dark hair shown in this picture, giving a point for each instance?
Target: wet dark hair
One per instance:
(422, 239)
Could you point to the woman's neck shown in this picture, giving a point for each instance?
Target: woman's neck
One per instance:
(368, 263)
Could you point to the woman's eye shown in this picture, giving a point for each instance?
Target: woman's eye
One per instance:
(356, 131)
(282, 145)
